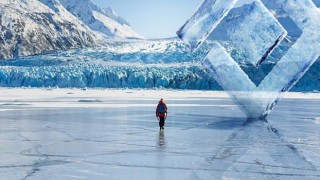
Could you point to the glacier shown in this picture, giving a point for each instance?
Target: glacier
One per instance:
(119, 64)
(164, 63)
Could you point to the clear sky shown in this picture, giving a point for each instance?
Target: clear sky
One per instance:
(154, 18)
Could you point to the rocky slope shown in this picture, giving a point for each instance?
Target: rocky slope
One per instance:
(29, 27)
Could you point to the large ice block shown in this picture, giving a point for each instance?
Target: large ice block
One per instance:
(252, 31)
(258, 101)
(203, 22)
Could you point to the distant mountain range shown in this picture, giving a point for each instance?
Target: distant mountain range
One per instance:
(102, 20)
(29, 27)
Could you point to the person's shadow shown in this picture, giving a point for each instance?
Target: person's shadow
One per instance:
(161, 141)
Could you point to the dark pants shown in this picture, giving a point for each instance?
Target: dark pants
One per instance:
(161, 122)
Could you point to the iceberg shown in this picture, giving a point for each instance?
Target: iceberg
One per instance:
(257, 100)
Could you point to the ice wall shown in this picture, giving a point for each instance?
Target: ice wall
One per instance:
(80, 75)
(134, 64)
(95, 75)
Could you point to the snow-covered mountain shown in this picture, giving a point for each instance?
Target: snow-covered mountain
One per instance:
(29, 27)
(104, 21)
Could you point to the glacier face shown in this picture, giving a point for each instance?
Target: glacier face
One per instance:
(126, 64)
(107, 76)
(121, 64)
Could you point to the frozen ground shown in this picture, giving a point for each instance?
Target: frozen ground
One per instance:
(113, 134)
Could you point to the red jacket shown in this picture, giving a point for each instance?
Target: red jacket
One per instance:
(164, 113)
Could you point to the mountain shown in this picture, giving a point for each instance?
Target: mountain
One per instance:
(104, 21)
(29, 27)
(111, 14)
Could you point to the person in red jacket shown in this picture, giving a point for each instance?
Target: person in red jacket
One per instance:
(161, 113)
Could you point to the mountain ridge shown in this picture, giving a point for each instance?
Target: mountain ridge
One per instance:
(29, 27)
(102, 20)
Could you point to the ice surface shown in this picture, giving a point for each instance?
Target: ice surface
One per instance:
(49, 134)
(258, 100)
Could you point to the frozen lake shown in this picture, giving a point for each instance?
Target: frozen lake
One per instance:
(113, 134)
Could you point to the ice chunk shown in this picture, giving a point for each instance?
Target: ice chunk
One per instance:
(258, 101)
(231, 78)
(255, 40)
(203, 22)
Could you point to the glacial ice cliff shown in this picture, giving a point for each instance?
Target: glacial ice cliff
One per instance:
(127, 64)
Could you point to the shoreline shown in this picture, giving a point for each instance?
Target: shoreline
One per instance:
(127, 93)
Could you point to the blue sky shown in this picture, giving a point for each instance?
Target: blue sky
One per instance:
(154, 18)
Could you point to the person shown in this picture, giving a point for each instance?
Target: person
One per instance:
(161, 113)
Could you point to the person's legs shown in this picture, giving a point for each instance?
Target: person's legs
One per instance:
(161, 123)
